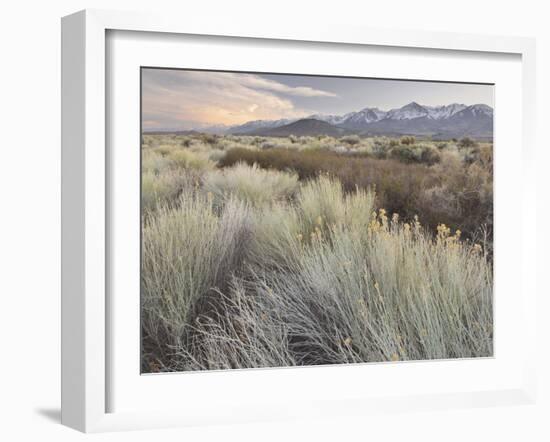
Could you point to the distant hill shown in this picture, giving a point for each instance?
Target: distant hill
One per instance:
(304, 127)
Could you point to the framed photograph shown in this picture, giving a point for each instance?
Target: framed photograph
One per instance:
(292, 224)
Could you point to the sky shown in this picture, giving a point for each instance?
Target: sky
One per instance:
(186, 99)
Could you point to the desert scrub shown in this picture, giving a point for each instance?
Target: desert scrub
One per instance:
(188, 159)
(448, 191)
(161, 188)
(415, 153)
(467, 142)
(397, 185)
(187, 253)
(278, 257)
(350, 294)
(154, 162)
(319, 206)
(408, 140)
(323, 203)
(463, 197)
(352, 140)
(250, 184)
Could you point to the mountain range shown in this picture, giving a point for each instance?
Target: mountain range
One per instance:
(446, 121)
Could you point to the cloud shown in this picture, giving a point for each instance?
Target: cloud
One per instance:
(257, 82)
(184, 99)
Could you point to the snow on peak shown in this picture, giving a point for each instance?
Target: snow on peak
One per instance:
(408, 112)
(441, 112)
(481, 109)
(366, 115)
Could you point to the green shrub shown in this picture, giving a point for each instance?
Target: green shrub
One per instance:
(393, 143)
(406, 153)
(408, 140)
(467, 142)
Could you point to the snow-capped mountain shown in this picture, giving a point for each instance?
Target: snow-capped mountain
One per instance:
(441, 112)
(414, 110)
(332, 119)
(408, 112)
(364, 116)
(477, 110)
(414, 119)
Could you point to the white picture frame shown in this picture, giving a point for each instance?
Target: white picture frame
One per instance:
(87, 202)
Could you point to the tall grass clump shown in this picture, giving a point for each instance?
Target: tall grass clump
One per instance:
(322, 203)
(160, 189)
(188, 159)
(187, 253)
(250, 183)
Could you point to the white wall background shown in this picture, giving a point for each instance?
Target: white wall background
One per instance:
(30, 215)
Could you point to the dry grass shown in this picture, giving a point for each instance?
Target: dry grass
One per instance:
(250, 184)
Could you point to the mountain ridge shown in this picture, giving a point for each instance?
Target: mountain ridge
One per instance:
(451, 120)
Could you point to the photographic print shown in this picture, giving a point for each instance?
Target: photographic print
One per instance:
(299, 220)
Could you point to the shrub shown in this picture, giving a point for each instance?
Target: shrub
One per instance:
(187, 254)
(339, 149)
(420, 153)
(344, 294)
(467, 142)
(161, 189)
(210, 139)
(165, 149)
(407, 189)
(250, 184)
(380, 150)
(216, 155)
(393, 143)
(406, 154)
(154, 162)
(430, 156)
(322, 202)
(267, 145)
(187, 159)
(352, 140)
(408, 140)
(463, 198)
